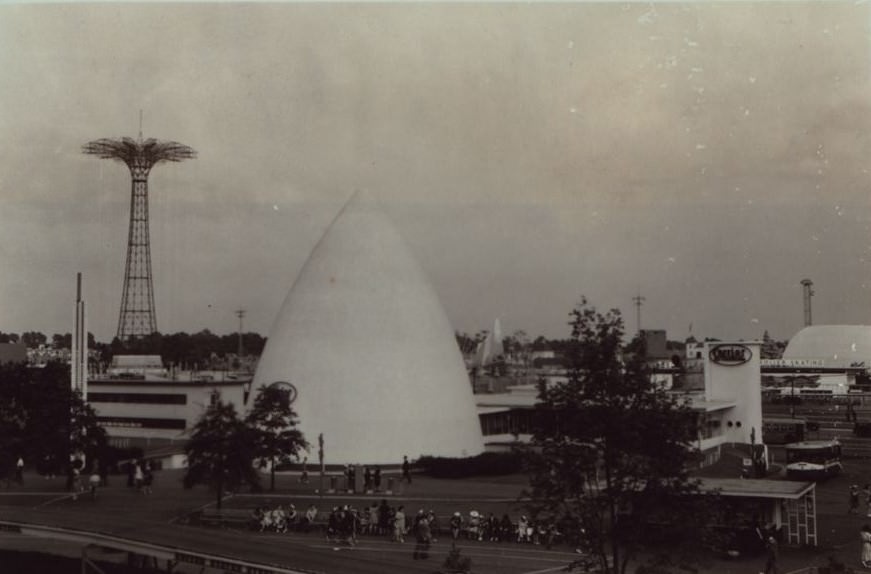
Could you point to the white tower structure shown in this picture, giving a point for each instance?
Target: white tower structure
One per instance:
(367, 352)
(79, 354)
(733, 378)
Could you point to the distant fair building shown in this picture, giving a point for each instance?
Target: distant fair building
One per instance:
(820, 361)
(141, 403)
(723, 384)
(367, 351)
(832, 345)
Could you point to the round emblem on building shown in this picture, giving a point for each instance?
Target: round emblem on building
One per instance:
(286, 387)
(730, 355)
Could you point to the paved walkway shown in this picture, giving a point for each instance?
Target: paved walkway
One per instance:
(125, 512)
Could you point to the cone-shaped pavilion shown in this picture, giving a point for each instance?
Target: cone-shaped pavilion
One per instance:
(370, 354)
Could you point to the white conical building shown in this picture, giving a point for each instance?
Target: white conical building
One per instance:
(370, 354)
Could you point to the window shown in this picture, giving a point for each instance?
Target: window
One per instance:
(138, 398)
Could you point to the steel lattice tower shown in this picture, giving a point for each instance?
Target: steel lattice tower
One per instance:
(138, 317)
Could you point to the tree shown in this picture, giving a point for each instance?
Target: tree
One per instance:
(33, 339)
(610, 450)
(221, 452)
(272, 422)
(42, 419)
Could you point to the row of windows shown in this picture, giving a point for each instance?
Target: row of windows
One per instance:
(139, 398)
(507, 422)
(141, 423)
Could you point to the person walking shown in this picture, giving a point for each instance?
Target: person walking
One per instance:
(423, 533)
(406, 470)
(865, 536)
(93, 483)
(399, 525)
(771, 556)
(147, 478)
(866, 492)
(854, 499)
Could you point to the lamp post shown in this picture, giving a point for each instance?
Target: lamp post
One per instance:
(321, 462)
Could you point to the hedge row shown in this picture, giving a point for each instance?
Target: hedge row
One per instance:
(486, 464)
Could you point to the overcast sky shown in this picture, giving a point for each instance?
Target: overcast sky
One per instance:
(706, 156)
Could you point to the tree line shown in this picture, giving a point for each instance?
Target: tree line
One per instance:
(184, 349)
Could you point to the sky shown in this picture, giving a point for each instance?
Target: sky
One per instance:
(707, 156)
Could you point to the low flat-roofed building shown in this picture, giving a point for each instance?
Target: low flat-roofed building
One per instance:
(13, 353)
(155, 411)
(785, 504)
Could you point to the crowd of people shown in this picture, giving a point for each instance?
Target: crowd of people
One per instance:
(343, 524)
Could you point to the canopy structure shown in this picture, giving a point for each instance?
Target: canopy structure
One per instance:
(367, 351)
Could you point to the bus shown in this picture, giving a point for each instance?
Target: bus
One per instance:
(783, 431)
(813, 459)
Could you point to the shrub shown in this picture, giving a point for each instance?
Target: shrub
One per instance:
(485, 464)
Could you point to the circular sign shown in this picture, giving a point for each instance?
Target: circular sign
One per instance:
(730, 355)
(287, 388)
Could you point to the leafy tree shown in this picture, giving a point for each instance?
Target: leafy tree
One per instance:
(33, 339)
(771, 349)
(272, 422)
(42, 419)
(609, 453)
(221, 452)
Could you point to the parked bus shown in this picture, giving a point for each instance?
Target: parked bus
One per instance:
(783, 431)
(813, 459)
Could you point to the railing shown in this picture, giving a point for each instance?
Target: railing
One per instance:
(138, 547)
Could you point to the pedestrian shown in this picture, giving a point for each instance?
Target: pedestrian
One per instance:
(76, 481)
(147, 478)
(865, 535)
(93, 483)
(406, 470)
(424, 536)
(771, 556)
(867, 492)
(311, 515)
(376, 478)
(399, 525)
(456, 523)
(303, 478)
(138, 476)
(19, 471)
(854, 499)
(367, 479)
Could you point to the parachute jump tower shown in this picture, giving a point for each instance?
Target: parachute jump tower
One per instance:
(137, 317)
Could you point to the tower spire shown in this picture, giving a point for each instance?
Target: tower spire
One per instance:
(137, 317)
(638, 300)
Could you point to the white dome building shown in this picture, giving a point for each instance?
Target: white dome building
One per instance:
(834, 345)
(369, 352)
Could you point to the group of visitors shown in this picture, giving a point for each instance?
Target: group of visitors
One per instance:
(281, 519)
(494, 529)
(371, 478)
(345, 523)
(140, 476)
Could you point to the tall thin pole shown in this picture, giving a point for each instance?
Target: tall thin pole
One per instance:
(638, 300)
(807, 292)
(241, 314)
